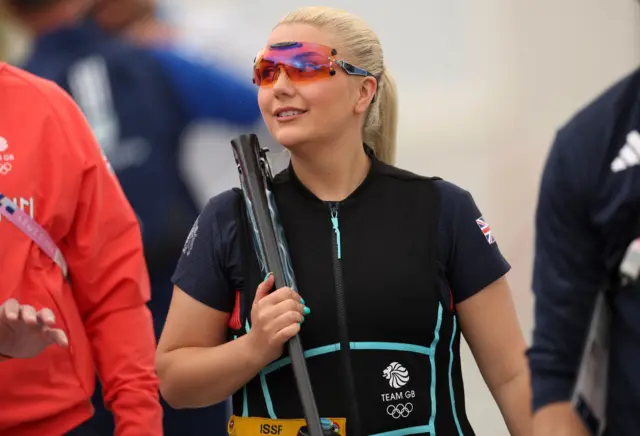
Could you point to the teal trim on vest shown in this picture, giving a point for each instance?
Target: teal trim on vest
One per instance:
(451, 394)
(408, 431)
(326, 349)
(432, 359)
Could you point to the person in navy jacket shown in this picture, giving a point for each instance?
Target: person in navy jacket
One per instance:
(588, 213)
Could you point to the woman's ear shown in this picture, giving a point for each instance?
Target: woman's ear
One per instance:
(368, 88)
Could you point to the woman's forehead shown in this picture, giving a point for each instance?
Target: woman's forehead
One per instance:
(301, 32)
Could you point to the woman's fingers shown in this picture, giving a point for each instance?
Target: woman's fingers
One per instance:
(281, 295)
(269, 314)
(284, 321)
(56, 336)
(10, 310)
(288, 306)
(46, 317)
(29, 315)
(263, 289)
(287, 333)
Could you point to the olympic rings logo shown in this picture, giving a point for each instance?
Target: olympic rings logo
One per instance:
(399, 410)
(5, 168)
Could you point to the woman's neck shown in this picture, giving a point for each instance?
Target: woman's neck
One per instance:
(332, 171)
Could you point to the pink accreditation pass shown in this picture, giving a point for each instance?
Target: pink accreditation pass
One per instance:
(33, 230)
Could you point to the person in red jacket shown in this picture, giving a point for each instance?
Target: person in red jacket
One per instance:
(70, 241)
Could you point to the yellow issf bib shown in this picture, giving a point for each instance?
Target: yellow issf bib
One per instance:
(249, 426)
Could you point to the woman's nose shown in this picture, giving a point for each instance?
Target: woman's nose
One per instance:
(282, 81)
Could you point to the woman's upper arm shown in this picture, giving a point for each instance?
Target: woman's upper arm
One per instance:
(204, 292)
(191, 323)
(476, 272)
(490, 325)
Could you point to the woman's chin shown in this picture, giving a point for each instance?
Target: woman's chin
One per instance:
(291, 140)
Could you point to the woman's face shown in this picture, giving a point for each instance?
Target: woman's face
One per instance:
(313, 111)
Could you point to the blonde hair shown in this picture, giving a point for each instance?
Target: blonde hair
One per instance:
(361, 42)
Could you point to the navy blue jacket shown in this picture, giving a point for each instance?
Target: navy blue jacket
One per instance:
(139, 101)
(587, 214)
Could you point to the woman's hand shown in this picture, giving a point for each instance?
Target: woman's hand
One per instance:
(25, 333)
(276, 317)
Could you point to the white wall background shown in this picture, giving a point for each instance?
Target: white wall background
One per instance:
(483, 86)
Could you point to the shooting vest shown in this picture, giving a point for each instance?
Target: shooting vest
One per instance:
(381, 345)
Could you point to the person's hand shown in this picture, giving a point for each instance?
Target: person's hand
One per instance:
(276, 317)
(25, 333)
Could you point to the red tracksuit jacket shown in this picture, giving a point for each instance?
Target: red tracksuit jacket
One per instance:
(53, 169)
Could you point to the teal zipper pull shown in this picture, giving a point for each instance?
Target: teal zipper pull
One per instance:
(336, 227)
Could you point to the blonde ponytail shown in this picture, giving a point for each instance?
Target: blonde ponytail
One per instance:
(381, 125)
(357, 38)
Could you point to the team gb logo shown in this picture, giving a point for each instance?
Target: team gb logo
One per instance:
(397, 375)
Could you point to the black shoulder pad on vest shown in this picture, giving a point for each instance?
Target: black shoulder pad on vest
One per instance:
(393, 171)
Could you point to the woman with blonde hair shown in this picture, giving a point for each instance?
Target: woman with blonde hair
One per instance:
(395, 266)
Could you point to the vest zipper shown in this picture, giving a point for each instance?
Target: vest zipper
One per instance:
(342, 322)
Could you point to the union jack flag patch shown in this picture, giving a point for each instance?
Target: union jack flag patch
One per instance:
(486, 230)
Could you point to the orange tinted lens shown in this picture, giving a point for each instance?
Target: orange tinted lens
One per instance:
(303, 62)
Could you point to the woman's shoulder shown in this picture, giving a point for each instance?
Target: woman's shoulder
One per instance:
(450, 193)
(457, 206)
(223, 202)
(394, 172)
(222, 205)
